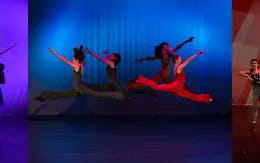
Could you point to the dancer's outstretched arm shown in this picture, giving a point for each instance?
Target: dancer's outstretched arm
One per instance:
(170, 50)
(245, 73)
(146, 58)
(181, 45)
(110, 63)
(185, 63)
(75, 66)
(7, 49)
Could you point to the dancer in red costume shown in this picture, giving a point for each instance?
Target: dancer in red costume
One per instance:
(177, 87)
(164, 53)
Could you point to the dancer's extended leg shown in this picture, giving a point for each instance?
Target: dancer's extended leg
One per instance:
(84, 90)
(194, 97)
(256, 105)
(161, 76)
(101, 87)
(55, 95)
(171, 87)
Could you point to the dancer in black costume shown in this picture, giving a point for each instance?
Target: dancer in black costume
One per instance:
(113, 84)
(2, 75)
(79, 87)
(253, 74)
(163, 52)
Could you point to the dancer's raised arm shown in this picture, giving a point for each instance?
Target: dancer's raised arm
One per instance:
(170, 50)
(185, 63)
(181, 45)
(7, 49)
(107, 61)
(74, 65)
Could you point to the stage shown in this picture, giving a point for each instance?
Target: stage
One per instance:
(246, 144)
(13, 139)
(130, 139)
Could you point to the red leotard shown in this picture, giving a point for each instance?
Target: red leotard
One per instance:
(176, 87)
(161, 76)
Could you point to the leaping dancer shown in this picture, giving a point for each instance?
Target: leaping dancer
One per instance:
(163, 52)
(79, 87)
(177, 87)
(113, 84)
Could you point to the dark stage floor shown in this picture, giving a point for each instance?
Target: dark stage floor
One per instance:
(13, 139)
(246, 144)
(131, 140)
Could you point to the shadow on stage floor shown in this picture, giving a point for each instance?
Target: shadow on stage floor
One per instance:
(130, 139)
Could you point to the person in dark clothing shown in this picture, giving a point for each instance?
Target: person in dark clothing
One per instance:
(113, 83)
(79, 87)
(2, 75)
(253, 74)
(163, 52)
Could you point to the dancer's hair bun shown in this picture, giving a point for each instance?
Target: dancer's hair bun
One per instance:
(78, 54)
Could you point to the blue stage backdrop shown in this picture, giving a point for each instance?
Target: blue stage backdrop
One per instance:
(131, 28)
(14, 29)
